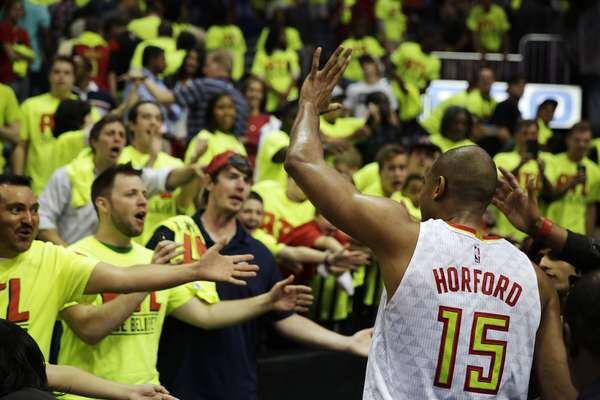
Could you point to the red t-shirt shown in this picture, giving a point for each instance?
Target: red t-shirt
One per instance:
(255, 123)
(99, 56)
(10, 34)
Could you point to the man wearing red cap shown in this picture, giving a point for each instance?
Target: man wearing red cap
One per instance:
(221, 364)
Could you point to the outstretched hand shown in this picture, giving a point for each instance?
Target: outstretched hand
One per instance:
(360, 342)
(150, 392)
(286, 297)
(216, 267)
(319, 84)
(521, 209)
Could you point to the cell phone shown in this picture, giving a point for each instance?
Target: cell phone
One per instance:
(580, 168)
(533, 148)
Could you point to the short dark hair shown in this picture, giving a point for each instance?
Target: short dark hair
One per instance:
(104, 182)
(63, 58)
(515, 79)
(581, 126)
(255, 196)
(238, 162)
(21, 360)
(98, 126)
(133, 111)
(548, 102)
(450, 115)
(387, 152)
(70, 116)
(150, 53)
(15, 180)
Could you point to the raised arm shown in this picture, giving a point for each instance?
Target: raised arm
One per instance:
(211, 267)
(380, 223)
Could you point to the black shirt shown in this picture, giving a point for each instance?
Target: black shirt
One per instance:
(28, 394)
(218, 364)
(506, 114)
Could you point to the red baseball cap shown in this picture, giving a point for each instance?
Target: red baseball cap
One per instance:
(226, 158)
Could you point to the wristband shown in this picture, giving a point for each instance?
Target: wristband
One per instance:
(544, 229)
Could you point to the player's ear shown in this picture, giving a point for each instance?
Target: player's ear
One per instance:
(439, 188)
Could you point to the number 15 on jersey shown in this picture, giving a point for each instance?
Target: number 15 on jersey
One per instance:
(476, 380)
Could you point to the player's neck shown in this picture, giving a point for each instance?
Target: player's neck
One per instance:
(470, 219)
(220, 224)
(108, 234)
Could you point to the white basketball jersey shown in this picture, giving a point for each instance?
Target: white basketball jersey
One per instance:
(462, 323)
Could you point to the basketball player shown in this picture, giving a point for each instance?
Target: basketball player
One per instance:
(463, 316)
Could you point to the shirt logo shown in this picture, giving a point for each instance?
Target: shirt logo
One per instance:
(476, 254)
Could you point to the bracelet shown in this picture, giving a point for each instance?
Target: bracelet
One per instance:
(544, 229)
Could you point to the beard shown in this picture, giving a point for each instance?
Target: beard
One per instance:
(124, 227)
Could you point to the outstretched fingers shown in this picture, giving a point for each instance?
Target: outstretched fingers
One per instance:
(333, 60)
(315, 62)
(241, 258)
(510, 179)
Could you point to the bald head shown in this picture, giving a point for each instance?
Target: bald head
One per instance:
(470, 174)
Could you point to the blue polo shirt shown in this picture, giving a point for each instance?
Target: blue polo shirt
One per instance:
(217, 364)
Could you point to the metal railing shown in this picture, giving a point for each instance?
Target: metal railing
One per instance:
(464, 65)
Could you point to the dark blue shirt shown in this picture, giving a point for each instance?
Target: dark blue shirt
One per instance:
(217, 364)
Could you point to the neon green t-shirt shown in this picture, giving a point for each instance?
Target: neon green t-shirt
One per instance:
(544, 132)
(173, 56)
(570, 211)
(366, 176)
(9, 113)
(472, 101)
(489, 25)
(269, 145)
(410, 104)
(292, 38)
(446, 144)
(414, 66)
(128, 354)
(218, 142)
(342, 127)
(509, 161)
(280, 213)
(160, 206)
(279, 69)
(394, 21)
(374, 189)
(268, 240)
(36, 284)
(366, 45)
(231, 38)
(413, 210)
(145, 28)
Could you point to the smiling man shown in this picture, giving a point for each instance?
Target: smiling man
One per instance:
(66, 210)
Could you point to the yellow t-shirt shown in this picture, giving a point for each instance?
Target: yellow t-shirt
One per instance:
(366, 176)
(146, 27)
(218, 142)
(570, 211)
(231, 38)
(366, 45)
(509, 161)
(414, 66)
(268, 240)
(394, 21)
(128, 354)
(36, 284)
(173, 56)
(280, 213)
(9, 113)
(160, 206)
(410, 104)
(490, 25)
(374, 189)
(544, 131)
(279, 69)
(413, 210)
(269, 145)
(446, 144)
(342, 127)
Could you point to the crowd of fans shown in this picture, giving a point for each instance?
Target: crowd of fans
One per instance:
(181, 89)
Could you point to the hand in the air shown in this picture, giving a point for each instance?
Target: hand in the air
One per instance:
(520, 208)
(219, 268)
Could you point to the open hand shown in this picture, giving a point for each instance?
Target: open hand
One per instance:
(521, 209)
(286, 297)
(165, 251)
(150, 392)
(216, 267)
(350, 259)
(318, 85)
